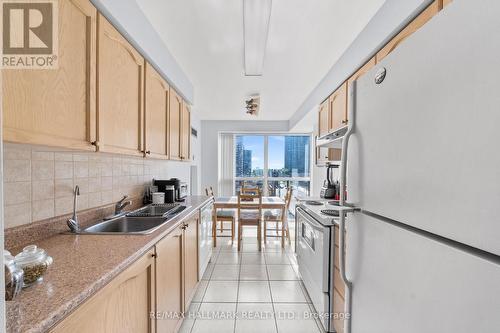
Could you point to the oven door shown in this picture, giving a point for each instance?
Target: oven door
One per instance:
(313, 257)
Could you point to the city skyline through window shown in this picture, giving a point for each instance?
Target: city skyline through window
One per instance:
(273, 162)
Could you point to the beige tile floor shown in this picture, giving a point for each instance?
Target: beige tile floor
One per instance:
(251, 291)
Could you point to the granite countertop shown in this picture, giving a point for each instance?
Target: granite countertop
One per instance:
(83, 264)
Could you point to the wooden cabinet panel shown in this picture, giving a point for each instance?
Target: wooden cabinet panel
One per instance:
(338, 308)
(120, 92)
(169, 280)
(446, 2)
(124, 305)
(57, 107)
(414, 25)
(185, 132)
(324, 118)
(324, 155)
(156, 114)
(174, 125)
(190, 258)
(338, 283)
(338, 108)
(360, 72)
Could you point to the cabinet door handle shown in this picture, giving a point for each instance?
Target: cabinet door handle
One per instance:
(154, 255)
(344, 121)
(93, 143)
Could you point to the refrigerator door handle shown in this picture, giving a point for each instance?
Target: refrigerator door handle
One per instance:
(343, 204)
(345, 143)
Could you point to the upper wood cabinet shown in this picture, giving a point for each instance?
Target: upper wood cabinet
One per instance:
(190, 258)
(174, 125)
(123, 305)
(446, 2)
(169, 279)
(416, 24)
(186, 132)
(338, 108)
(120, 92)
(57, 107)
(324, 155)
(360, 72)
(156, 95)
(324, 118)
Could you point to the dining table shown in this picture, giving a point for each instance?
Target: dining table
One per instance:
(231, 202)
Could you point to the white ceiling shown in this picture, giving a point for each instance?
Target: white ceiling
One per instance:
(305, 39)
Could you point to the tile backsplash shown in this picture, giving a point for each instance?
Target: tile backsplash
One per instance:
(39, 182)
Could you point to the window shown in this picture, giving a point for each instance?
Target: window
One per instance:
(273, 163)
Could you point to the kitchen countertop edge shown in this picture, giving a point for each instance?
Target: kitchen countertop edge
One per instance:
(60, 313)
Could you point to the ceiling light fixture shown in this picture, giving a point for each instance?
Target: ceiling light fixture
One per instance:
(256, 17)
(252, 105)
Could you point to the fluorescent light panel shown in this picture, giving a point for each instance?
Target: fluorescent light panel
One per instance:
(256, 17)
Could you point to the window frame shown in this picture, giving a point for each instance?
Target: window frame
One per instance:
(266, 178)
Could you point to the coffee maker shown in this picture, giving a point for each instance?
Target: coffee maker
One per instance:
(330, 189)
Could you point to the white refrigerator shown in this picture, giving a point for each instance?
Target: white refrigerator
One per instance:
(423, 168)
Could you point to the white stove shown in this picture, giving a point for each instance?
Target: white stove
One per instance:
(321, 210)
(315, 232)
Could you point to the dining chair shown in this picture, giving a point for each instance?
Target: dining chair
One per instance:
(245, 189)
(249, 214)
(279, 216)
(222, 215)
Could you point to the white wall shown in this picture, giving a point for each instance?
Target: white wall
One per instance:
(387, 22)
(128, 18)
(196, 149)
(210, 130)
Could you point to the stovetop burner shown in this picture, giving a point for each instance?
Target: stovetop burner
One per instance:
(330, 212)
(314, 203)
(334, 203)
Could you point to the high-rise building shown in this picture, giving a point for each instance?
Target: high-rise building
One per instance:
(297, 155)
(247, 162)
(243, 159)
(239, 156)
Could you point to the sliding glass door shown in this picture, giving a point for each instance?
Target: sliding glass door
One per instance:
(273, 163)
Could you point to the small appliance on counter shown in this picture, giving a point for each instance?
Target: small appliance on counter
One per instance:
(180, 188)
(169, 194)
(330, 189)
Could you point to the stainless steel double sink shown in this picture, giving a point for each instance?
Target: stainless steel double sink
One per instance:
(131, 225)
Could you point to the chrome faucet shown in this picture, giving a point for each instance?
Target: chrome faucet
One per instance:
(73, 221)
(122, 204)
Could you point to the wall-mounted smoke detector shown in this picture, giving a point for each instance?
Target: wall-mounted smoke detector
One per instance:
(252, 105)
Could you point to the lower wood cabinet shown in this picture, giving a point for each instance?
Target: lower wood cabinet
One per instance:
(190, 258)
(124, 305)
(339, 288)
(150, 295)
(338, 307)
(169, 280)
